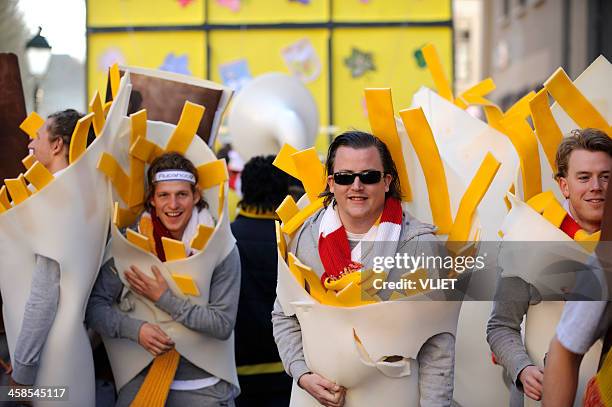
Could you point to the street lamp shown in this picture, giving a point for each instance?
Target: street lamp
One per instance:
(38, 54)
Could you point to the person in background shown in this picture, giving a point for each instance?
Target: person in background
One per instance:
(263, 380)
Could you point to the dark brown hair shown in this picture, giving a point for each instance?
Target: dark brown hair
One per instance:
(63, 125)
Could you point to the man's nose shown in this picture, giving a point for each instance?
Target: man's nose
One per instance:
(173, 201)
(357, 184)
(596, 184)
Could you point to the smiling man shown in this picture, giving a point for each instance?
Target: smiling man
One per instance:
(363, 192)
(174, 209)
(584, 162)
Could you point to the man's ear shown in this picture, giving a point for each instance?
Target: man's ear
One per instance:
(197, 195)
(387, 180)
(57, 146)
(563, 185)
(330, 183)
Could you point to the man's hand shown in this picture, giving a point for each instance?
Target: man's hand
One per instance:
(150, 288)
(154, 339)
(327, 393)
(532, 378)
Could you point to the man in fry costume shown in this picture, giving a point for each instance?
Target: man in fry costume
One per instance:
(584, 160)
(362, 206)
(175, 210)
(166, 304)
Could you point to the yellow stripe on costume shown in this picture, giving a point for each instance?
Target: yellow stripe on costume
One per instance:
(139, 240)
(111, 168)
(155, 388)
(312, 172)
(122, 217)
(546, 128)
(382, 121)
(475, 94)
(18, 189)
(198, 242)
(261, 368)
(437, 72)
(136, 193)
(280, 240)
(39, 176)
(4, 199)
(174, 249)
(186, 128)
(426, 149)
(526, 145)
(521, 107)
(295, 222)
(212, 173)
(145, 150)
(28, 161)
(78, 141)
(115, 78)
(471, 198)
(284, 160)
(31, 124)
(96, 107)
(186, 284)
(577, 106)
(287, 209)
(547, 205)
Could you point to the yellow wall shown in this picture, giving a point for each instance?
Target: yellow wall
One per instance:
(392, 48)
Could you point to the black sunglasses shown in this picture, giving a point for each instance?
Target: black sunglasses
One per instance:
(366, 177)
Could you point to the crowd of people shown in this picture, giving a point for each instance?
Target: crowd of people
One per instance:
(362, 191)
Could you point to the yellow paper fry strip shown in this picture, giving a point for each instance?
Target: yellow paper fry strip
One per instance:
(78, 141)
(312, 172)
(296, 221)
(284, 161)
(145, 150)
(174, 249)
(212, 174)
(96, 107)
(287, 209)
(139, 240)
(111, 168)
(186, 284)
(471, 198)
(186, 128)
(382, 122)
(546, 128)
(426, 149)
(201, 237)
(18, 189)
(577, 106)
(5, 204)
(29, 161)
(115, 78)
(39, 176)
(123, 218)
(31, 124)
(437, 72)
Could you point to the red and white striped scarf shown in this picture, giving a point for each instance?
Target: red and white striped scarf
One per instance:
(334, 250)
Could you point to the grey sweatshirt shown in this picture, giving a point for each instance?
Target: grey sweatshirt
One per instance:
(504, 330)
(38, 317)
(437, 355)
(216, 319)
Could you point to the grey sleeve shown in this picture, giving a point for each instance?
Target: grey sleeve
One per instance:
(218, 318)
(504, 326)
(288, 336)
(101, 316)
(38, 317)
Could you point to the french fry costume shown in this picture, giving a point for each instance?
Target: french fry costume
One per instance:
(348, 338)
(584, 104)
(139, 142)
(63, 218)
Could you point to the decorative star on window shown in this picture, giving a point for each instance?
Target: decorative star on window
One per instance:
(360, 62)
(184, 3)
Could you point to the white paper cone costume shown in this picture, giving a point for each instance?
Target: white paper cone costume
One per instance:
(65, 220)
(140, 141)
